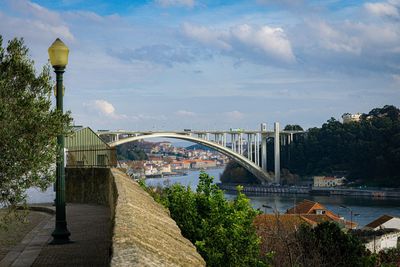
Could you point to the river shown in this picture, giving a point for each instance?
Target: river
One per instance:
(364, 209)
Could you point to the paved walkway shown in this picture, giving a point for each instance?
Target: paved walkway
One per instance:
(90, 229)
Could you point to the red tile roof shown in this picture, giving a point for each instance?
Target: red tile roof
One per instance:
(304, 207)
(309, 208)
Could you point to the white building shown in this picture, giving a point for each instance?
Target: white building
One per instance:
(384, 222)
(382, 240)
(385, 233)
(324, 181)
(348, 117)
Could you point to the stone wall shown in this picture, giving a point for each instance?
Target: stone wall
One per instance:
(88, 185)
(143, 233)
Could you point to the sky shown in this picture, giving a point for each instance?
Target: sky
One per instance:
(213, 64)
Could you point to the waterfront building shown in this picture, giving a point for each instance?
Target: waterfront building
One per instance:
(325, 181)
(203, 164)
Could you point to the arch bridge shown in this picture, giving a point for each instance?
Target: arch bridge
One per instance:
(248, 148)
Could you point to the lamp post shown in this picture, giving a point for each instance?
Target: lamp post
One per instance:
(58, 54)
(351, 215)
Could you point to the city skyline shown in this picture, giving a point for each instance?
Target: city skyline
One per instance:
(174, 64)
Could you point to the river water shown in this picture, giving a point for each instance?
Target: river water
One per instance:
(364, 210)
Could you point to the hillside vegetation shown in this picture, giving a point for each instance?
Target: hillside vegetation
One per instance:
(368, 150)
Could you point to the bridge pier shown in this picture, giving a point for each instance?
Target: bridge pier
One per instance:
(264, 147)
(257, 149)
(240, 144)
(224, 140)
(277, 158)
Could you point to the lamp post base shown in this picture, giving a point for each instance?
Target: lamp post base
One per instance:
(61, 235)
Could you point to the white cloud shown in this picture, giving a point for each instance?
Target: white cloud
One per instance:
(105, 108)
(245, 41)
(207, 36)
(332, 38)
(270, 41)
(185, 113)
(37, 23)
(383, 8)
(168, 3)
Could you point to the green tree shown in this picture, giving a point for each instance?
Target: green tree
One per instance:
(28, 124)
(294, 127)
(235, 173)
(222, 230)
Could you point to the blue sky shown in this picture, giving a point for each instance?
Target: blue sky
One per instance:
(174, 64)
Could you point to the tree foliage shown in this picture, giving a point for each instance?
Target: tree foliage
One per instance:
(222, 230)
(293, 127)
(28, 124)
(131, 151)
(368, 150)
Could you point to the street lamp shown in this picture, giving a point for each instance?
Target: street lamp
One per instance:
(351, 215)
(58, 54)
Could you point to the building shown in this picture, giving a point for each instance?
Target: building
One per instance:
(348, 117)
(325, 181)
(381, 234)
(203, 164)
(84, 148)
(316, 213)
(383, 239)
(384, 222)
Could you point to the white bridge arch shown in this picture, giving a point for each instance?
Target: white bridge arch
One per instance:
(257, 171)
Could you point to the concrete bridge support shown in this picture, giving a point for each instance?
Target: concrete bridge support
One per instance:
(277, 149)
(257, 148)
(264, 147)
(224, 139)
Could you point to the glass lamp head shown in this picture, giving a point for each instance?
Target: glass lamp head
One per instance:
(58, 54)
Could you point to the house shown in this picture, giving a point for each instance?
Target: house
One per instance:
(381, 234)
(384, 222)
(313, 211)
(84, 148)
(377, 240)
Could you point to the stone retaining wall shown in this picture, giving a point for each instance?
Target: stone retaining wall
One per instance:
(143, 232)
(88, 185)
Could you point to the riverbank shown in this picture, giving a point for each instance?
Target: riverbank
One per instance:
(317, 191)
(183, 172)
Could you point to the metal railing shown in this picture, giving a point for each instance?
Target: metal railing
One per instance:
(99, 157)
